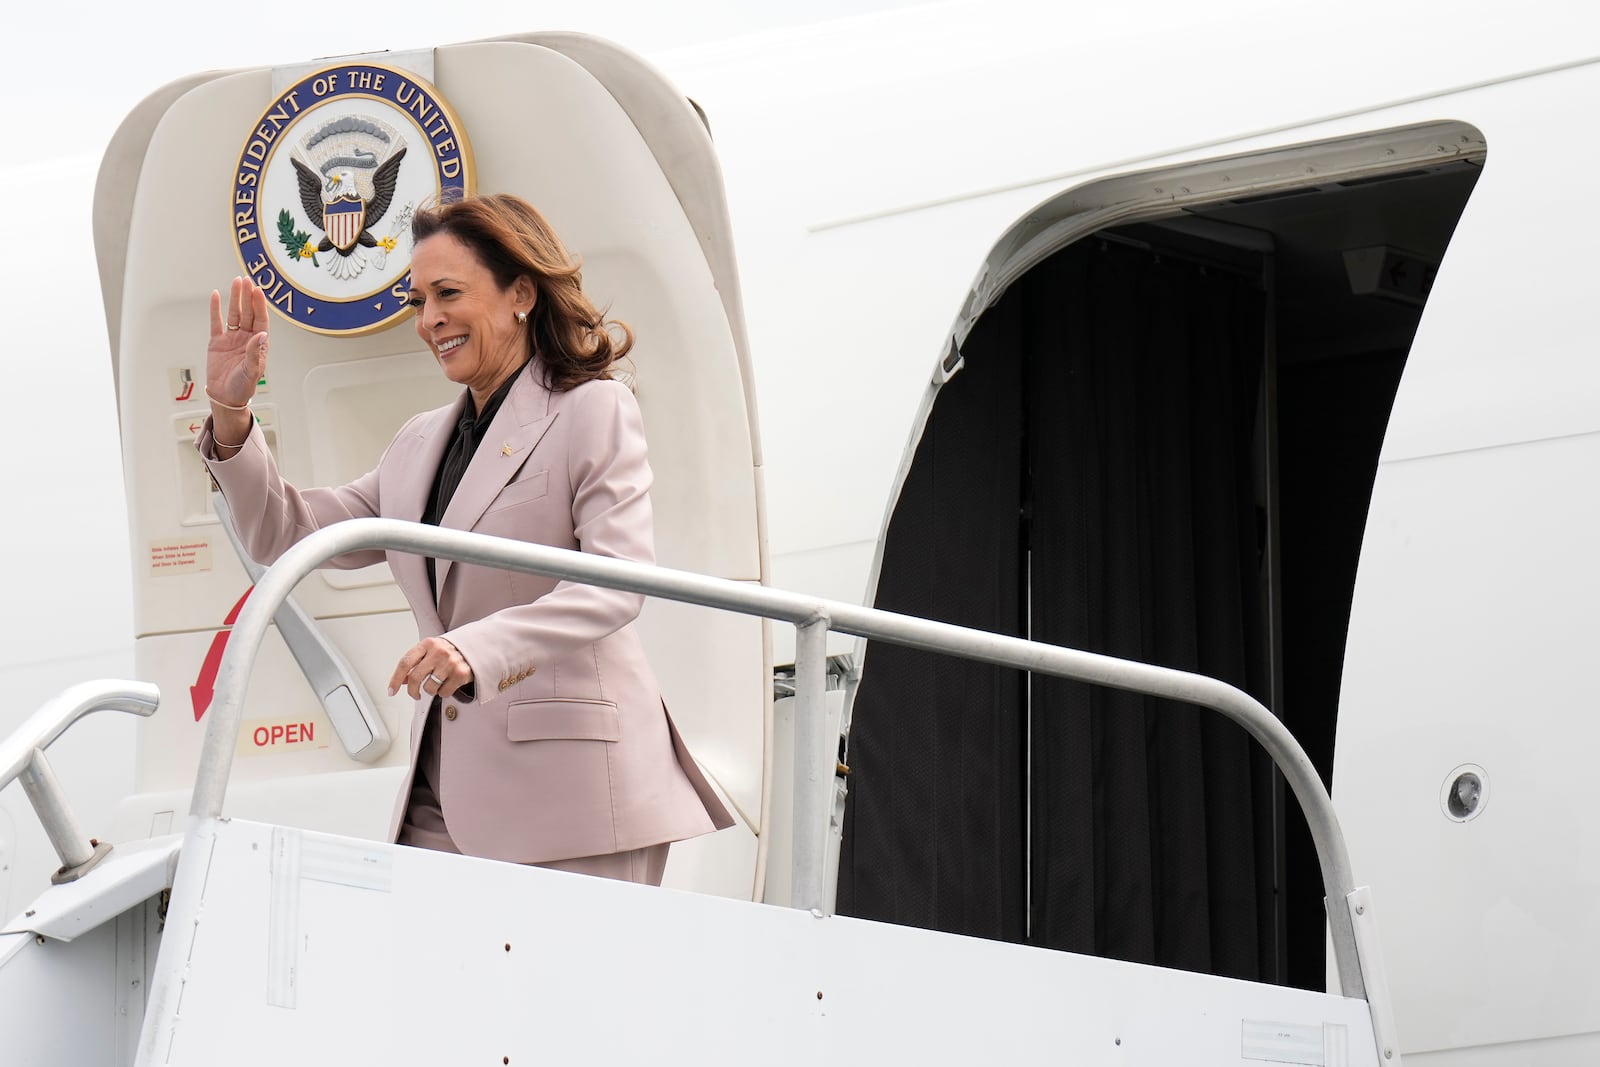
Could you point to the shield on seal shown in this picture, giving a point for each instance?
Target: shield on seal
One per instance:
(344, 219)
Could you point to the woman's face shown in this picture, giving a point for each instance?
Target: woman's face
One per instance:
(467, 320)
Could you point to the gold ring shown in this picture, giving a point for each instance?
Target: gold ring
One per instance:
(233, 326)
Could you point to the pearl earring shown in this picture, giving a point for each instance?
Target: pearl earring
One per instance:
(522, 318)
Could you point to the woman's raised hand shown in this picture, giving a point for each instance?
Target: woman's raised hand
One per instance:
(236, 358)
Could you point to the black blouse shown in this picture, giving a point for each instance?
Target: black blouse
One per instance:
(470, 432)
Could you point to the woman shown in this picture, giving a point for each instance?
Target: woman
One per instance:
(539, 734)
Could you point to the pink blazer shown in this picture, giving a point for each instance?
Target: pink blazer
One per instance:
(567, 749)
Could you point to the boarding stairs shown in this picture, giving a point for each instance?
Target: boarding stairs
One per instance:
(246, 943)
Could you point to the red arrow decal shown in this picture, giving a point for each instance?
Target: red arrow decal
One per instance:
(205, 685)
(195, 427)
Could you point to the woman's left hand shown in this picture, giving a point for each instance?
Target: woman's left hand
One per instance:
(432, 667)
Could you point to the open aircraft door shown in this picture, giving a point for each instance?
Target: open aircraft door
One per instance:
(188, 197)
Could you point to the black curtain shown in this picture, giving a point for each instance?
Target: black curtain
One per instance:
(1088, 475)
(1151, 821)
(934, 823)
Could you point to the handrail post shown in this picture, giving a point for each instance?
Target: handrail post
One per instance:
(809, 838)
(22, 759)
(39, 782)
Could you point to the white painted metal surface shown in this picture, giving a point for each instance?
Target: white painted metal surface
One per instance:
(133, 873)
(1465, 648)
(79, 1002)
(1364, 920)
(285, 941)
(57, 998)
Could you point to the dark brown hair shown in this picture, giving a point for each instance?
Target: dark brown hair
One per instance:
(572, 338)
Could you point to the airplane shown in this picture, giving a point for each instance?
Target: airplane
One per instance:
(1039, 344)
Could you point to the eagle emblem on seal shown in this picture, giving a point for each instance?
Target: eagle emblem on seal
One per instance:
(346, 170)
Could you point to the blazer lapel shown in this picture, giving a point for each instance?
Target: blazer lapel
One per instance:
(516, 431)
(418, 458)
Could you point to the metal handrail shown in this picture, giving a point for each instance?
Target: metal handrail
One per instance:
(22, 759)
(813, 617)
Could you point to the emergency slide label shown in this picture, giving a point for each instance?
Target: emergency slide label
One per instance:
(179, 557)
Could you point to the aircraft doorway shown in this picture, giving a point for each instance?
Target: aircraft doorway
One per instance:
(1162, 446)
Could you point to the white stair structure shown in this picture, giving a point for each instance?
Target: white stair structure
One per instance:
(279, 943)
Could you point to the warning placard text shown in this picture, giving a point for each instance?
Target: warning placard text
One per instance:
(179, 557)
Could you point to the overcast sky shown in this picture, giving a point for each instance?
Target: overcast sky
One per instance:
(76, 70)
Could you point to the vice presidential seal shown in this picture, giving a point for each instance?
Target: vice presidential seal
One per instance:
(326, 185)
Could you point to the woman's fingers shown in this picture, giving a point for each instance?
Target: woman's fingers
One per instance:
(247, 308)
(258, 308)
(429, 678)
(397, 679)
(431, 668)
(257, 348)
(412, 670)
(226, 315)
(441, 687)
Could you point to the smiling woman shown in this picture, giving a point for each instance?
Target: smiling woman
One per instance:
(506, 242)
(512, 715)
(476, 329)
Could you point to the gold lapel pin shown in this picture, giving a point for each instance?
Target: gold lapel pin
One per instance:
(506, 449)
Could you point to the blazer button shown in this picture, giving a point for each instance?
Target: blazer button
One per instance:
(450, 712)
